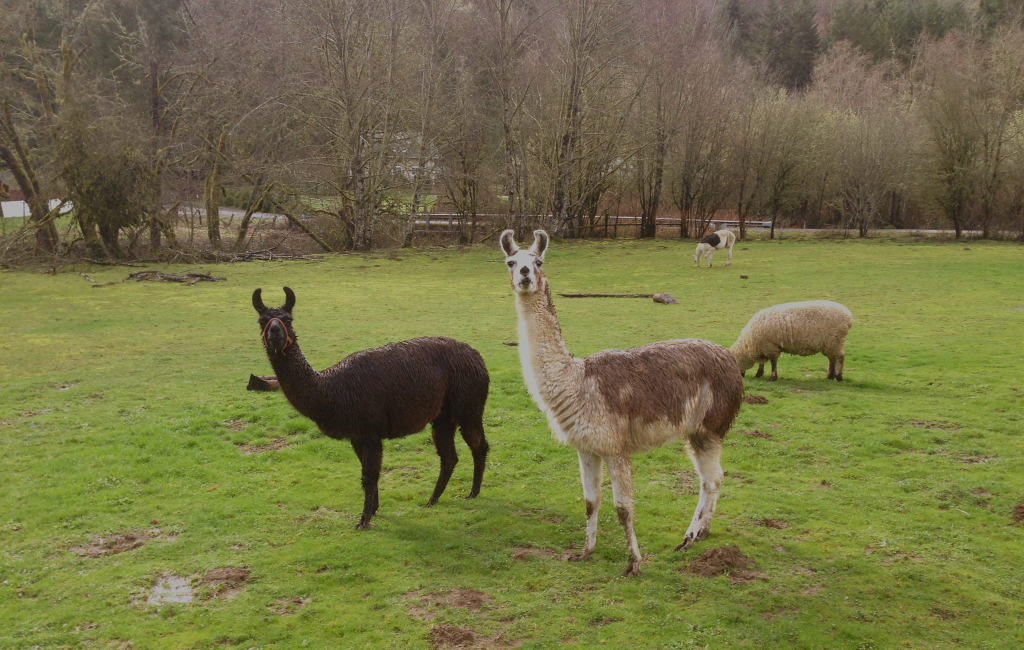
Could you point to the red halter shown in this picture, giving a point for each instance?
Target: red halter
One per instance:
(288, 337)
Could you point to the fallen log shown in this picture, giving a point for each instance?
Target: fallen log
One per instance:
(662, 298)
(156, 276)
(268, 382)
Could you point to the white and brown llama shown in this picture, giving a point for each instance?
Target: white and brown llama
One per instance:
(707, 246)
(616, 403)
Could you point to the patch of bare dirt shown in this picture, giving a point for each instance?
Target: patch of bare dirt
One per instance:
(812, 590)
(449, 636)
(944, 614)
(777, 524)
(901, 556)
(780, 613)
(685, 482)
(226, 582)
(522, 552)
(755, 399)
(980, 492)
(463, 638)
(935, 424)
(971, 460)
(276, 444)
(425, 606)
(756, 434)
(114, 544)
(5, 423)
(726, 560)
(1018, 513)
(65, 385)
(285, 606)
(235, 425)
(34, 413)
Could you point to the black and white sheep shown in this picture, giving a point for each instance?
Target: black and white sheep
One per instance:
(802, 328)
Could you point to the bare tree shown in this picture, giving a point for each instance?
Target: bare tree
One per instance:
(353, 103)
(509, 29)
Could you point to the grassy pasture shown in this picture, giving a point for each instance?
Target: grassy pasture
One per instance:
(123, 410)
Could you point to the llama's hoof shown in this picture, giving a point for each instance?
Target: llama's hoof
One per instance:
(430, 504)
(692, 538)
(580, 557)
(632, 570)
(473, 495)
(839, 377)
(363, 525)
(773, 378)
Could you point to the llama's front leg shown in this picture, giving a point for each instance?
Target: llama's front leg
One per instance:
(705, 454)
(728, 260)
(590, 475)
(831, 368)
(760, 370)
(775, 371)
(708, 255)
(620, 469)
(840, 360)
(370, 453)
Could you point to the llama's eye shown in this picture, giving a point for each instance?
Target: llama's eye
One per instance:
(510, 263)
(539, 263)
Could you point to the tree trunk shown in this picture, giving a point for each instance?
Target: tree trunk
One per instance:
(15, 157)
(740, 214)
(154, 107)
(255, 205)
(213, 192)
(312, 235)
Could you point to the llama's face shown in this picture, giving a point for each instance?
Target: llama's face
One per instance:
(524, 266)
(276, 326)
(275, 323)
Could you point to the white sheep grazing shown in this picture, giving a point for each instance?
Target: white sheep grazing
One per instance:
(802, 328)
(721, 239)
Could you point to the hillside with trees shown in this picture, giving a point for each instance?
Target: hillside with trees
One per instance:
(176, 126)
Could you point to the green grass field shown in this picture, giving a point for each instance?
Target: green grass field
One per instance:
(123, 410)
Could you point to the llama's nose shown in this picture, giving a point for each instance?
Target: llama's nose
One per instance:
(525, 270)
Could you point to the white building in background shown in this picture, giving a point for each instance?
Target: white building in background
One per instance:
(19, 209)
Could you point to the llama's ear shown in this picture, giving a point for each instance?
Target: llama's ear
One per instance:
(289, 300)
(540, 243)
(257, 301)
(508, 243)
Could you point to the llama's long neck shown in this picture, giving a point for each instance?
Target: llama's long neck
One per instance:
(553, 377)
(301, 385)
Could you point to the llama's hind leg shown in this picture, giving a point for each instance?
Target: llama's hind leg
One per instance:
(620, 470)
(831, 368)
(474, 437)
(760, 370)
(370, 453)
(590, 475)
(840, 360)
(443, 433)
(775, 370)
(705, 453)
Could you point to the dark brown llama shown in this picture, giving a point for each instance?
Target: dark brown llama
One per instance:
(387, 392)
